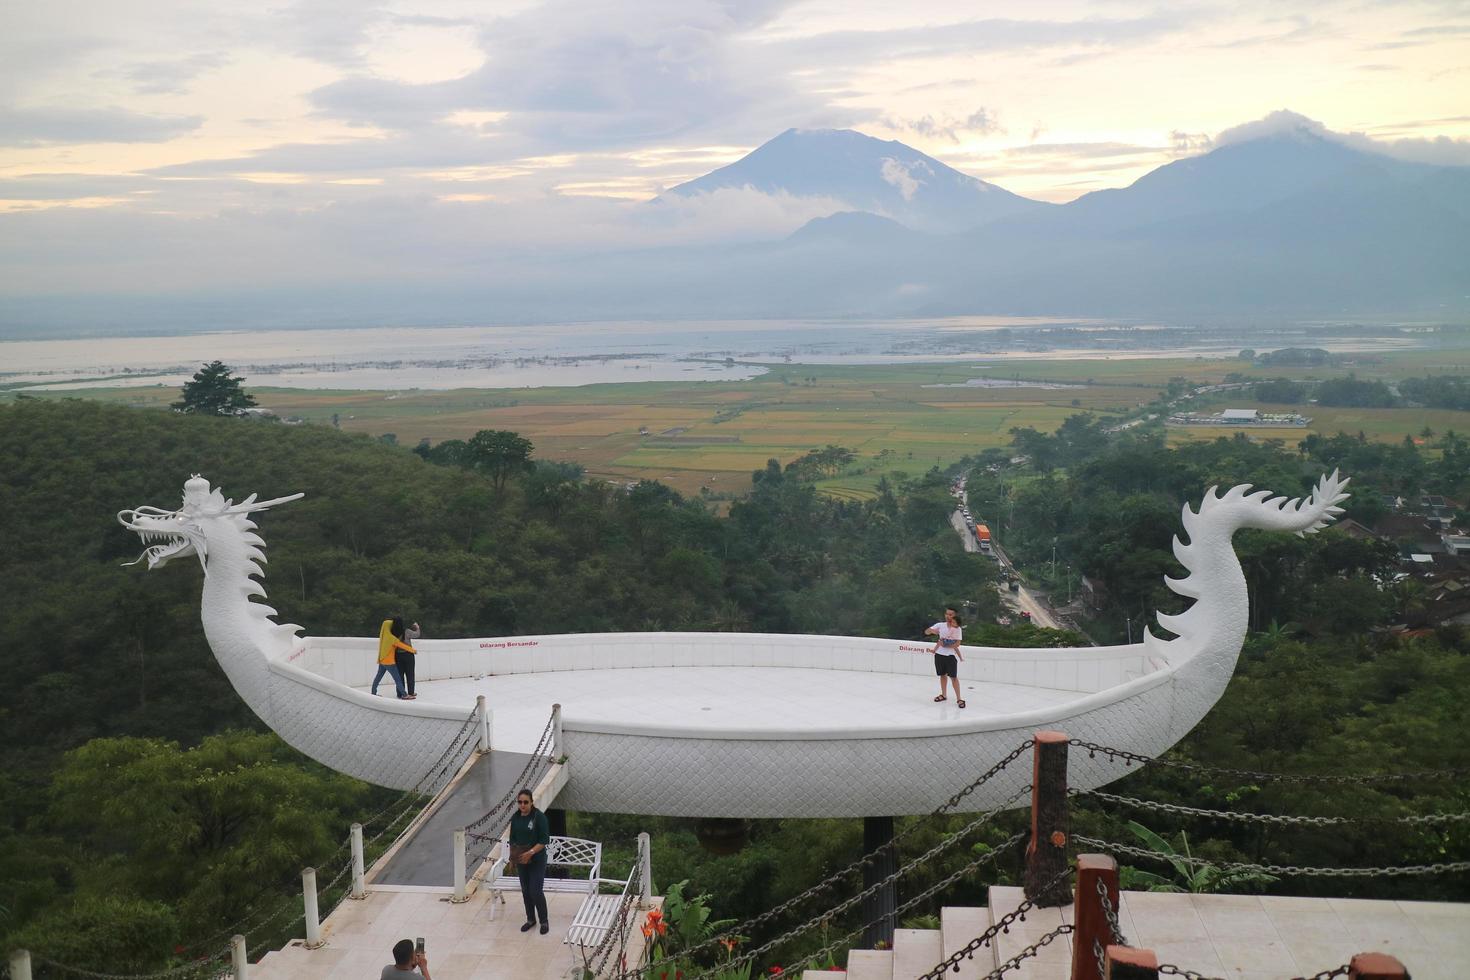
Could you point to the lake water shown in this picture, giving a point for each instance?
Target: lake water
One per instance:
(600, 353)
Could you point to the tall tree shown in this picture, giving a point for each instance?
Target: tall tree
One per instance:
(214, 391)
(498, 453)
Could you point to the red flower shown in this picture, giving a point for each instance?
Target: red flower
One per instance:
(776, 971)
(179, 950)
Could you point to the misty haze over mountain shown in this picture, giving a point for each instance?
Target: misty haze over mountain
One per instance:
(1281, 219)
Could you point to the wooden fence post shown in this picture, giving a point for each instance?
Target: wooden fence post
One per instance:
(1046, 854)
(1376, 966)
(1127, 963)
(1092, 929)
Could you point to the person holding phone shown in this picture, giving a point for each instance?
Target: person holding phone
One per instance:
(946, 651)
(407, 957)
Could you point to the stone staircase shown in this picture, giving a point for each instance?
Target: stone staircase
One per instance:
(917, 951)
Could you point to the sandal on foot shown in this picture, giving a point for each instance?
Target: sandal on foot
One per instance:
(941, 698)
(959, 703)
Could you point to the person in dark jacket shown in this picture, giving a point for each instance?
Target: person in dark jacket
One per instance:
(530, 836)
(405, 654)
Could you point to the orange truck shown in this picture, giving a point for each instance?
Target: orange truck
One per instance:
(982, 535)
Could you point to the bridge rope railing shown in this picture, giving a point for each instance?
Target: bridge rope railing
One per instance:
(484, 832)
(400, 813)
(273, 913)
(623, 921)
(749, 925)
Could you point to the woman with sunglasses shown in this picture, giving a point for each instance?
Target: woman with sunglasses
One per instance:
(530, 836)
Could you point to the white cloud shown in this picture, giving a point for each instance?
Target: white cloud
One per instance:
(901, 177)
(1439, 150)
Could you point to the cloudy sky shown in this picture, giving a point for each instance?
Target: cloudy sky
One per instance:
(147, 139)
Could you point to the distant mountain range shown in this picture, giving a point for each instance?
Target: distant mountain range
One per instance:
(1294, 222)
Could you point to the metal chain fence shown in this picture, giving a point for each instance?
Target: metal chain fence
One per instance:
(923, 896)
(1288, 820)
(1170, 970)
(1129, 758)
(985, 938)
(841, 874)
(1280, 870)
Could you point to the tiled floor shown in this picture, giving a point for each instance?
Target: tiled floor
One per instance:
(463, 942)
(729, 697)
(1262, 937)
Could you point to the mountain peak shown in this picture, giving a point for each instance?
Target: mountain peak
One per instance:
(861, 173)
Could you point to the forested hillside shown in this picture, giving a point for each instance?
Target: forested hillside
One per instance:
(133, 778)
(98, 650)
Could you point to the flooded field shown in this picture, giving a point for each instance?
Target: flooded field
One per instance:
(561, 355)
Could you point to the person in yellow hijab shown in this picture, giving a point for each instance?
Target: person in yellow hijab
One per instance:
(387, 659)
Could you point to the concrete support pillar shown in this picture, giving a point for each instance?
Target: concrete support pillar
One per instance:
(558, 744)
(461, 894)
(359, 875)
(20, 964)
(645, 863)
(1093, 931)
(482, 711)
(878, 908)
(1126, 963)
(313, 917)
(1046, 853)
(239, 962)
(1376, 966)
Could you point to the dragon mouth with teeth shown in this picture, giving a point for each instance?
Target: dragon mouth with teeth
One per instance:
(168, 534)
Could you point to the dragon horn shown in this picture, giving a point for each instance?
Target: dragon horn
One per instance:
(249, 505)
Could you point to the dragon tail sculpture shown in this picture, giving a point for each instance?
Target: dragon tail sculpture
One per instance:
(1213, 628)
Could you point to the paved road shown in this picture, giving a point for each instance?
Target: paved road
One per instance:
(1025, 599)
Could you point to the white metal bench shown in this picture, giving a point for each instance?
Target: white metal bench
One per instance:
(598, 914)
(564, 852)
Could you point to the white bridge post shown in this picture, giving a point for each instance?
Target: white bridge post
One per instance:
(239, 962)
(359, 883)
(483, 711)
(20, 964)
(460, 894)
(557, 750)
(645, 870)
(313, 919)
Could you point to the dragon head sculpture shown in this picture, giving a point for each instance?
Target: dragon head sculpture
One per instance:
(172, 534)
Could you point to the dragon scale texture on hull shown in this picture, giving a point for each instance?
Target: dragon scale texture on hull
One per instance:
(733, 759)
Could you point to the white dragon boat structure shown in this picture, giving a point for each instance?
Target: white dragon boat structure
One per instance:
(674, 723)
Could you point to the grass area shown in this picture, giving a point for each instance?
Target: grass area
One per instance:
(900, 419)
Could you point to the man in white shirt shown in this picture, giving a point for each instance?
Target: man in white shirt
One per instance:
(947, 654)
